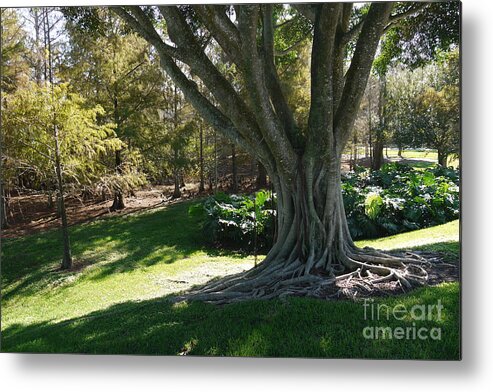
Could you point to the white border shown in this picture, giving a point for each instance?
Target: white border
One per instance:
(474, 373)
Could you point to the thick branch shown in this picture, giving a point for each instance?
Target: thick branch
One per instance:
(143, 26)
(255, 76)
(273, 84)
(248, 138)
(224, 31)
(359, 70)
(232, 105)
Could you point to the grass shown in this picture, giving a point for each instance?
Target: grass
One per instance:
(418, 159)
(116, 301)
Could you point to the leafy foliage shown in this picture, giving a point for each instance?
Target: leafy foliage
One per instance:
(417, 40)
(232, 220)
(28, 120)
(398, 198)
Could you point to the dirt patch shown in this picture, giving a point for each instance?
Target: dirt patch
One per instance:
(200, 275)
(30, 214)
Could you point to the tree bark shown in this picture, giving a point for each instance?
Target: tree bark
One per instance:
(377, 155)
(4, 207)
(118, 200)
(442, 158)
(67, 254)
(176, 182)
(234, 170)
(201, 159)
(379, 142)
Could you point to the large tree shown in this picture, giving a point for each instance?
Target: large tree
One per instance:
(303, 160)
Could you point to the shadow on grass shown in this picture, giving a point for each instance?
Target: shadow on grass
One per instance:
(123, 243)
(298, 327)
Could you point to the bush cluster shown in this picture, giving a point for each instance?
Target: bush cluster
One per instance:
(398, 198)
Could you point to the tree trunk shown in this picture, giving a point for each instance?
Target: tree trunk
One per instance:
(313, 243)
(176, 191)
(442, 158)
(377, 161)
(4, 207)
(261, 176)
(118, 200)
(67, 254)
(201, 159)
(234, 170)
(354, 152)
(399, 152)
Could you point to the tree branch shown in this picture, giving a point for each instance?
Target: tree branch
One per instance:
(241, 129)
(273, 84)
(142, 25)
(393, 19)
(359, 70)
(224, 31)
(254, 75)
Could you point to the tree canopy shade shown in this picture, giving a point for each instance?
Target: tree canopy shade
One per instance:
(302, 159)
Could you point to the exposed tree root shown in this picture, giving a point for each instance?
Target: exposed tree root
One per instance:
(370, 273)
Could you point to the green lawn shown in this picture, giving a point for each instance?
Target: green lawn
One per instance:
(419, 159)
(116, 302)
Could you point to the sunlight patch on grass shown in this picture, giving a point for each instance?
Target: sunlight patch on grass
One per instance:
(448, 232)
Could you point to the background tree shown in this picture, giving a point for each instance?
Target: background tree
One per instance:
(414, 41)
(117, 70)
(423, 106)
(70, 155)
(438, 108)
(14, 74)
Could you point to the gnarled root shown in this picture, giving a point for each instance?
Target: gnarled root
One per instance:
(357, 272)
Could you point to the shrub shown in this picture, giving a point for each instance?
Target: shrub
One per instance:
(233, 221)
(398, 198)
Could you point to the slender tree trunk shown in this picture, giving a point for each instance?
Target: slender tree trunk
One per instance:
(201, 159)
(4, 207)
(399, 152)
(215, 163)
(67, 255)
(377, 155)
(354, 152)
(176, 181)
(118, 200)
(49, 189)
(3, 199)
(379, 143)
(234, 170)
